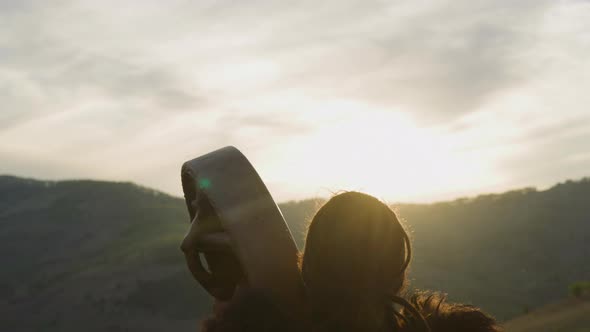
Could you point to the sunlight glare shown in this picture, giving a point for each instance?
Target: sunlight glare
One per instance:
(381, 152)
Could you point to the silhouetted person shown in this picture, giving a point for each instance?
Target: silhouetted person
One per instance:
(354, 266)
(354, 270)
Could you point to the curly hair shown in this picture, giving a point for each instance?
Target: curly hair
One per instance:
(443, 316)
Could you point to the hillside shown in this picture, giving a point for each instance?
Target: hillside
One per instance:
(507, 252)
(95, 256)
(572, 315)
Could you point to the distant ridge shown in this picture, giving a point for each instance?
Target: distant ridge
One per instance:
(7, 178)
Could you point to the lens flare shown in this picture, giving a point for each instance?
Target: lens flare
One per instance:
(204, 183)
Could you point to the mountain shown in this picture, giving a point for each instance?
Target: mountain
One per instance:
(505, 252)
(95, 256)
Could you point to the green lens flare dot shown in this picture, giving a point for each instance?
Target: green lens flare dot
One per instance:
(204, 183)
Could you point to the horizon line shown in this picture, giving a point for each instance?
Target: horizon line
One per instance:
(533, 188)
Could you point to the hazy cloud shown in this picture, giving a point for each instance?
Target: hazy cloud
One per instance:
(438, 61)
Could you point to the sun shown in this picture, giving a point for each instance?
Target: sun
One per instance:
(380, 152)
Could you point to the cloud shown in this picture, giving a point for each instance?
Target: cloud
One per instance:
(123, 81)
(437, 62)
(549, 161)
(41, 72)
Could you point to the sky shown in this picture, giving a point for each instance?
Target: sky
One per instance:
(413, 101)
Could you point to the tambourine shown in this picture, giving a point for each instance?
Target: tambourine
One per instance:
(237, 234)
